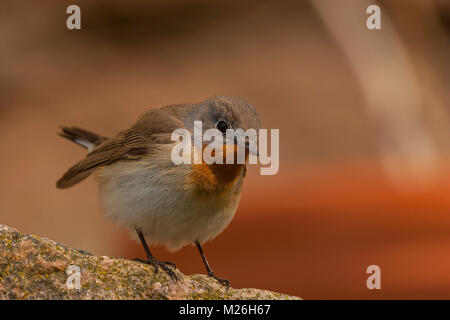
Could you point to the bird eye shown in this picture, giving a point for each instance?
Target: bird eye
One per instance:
(222, 126)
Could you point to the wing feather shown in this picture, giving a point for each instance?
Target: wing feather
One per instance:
(155, 127)
(129, 146)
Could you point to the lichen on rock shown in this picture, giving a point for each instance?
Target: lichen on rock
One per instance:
(36, 268)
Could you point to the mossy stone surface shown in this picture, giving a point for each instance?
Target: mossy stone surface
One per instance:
(35, 268)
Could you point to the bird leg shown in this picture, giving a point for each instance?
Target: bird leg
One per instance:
(151, 260)
(210, 272)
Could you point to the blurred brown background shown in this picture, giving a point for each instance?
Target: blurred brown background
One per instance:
(363, 116)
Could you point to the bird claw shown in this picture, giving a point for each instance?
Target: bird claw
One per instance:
(165, 265)
(224, 282)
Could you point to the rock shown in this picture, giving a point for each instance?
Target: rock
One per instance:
(36, 268)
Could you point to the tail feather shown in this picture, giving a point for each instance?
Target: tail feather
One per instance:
(84, 138)
(87, 140)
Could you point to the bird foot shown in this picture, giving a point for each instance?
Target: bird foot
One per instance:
(224, 282)
(165, 265)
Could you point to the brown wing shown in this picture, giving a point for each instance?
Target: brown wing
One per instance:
(127, 146)
(155, 127)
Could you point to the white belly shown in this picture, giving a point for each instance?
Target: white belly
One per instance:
(162, 205)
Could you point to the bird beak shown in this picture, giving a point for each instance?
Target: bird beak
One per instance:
(252, 148)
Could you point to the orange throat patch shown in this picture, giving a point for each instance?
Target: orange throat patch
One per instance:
(216, 177)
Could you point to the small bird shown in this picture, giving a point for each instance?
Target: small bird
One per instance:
(143, 190)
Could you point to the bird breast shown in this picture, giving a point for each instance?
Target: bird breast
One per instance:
(172, 205)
